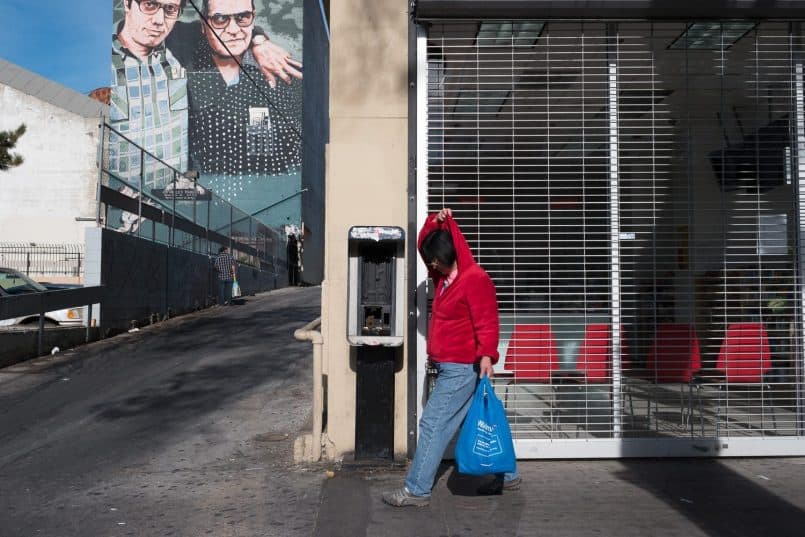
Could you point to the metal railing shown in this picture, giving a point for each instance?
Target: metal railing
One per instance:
(40, 303)
(312, 332)
(63, 260)
(141, 194)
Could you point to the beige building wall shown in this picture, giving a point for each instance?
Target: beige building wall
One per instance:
(366, 184)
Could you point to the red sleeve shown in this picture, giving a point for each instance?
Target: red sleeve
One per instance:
(483, 305)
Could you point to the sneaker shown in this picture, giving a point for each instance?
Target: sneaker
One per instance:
(497, 486)
(402, 498)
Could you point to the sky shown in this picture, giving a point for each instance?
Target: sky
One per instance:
(67, 41)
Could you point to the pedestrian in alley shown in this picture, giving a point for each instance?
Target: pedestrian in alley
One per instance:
(462, 347)
(226, 268)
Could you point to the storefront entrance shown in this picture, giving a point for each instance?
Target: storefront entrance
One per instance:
(633, 190)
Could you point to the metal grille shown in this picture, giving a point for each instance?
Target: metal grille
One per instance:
(632, 190)
(44, 260)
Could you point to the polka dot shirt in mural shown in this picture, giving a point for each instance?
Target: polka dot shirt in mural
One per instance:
(243, 128)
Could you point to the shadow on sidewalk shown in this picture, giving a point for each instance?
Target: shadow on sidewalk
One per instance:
(716, 498)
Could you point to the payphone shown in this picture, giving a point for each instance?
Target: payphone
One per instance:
(375, 324)
(376, 298)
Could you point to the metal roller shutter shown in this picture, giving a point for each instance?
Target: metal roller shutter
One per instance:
(633, 190)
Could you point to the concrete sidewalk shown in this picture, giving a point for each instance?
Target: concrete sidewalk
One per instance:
(692, 498)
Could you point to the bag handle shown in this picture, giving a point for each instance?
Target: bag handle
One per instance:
(484, 387)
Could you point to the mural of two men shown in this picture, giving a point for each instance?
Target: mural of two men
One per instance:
(218, 96)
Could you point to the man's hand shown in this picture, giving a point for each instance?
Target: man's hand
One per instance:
(275, 61)
(443, 214)
(485, 367)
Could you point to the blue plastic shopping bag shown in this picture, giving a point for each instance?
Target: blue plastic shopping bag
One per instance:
(485, 442)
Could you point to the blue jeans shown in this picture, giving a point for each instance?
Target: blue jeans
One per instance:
(444, 412)
(224, 291)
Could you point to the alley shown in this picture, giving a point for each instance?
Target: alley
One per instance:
(182, 428)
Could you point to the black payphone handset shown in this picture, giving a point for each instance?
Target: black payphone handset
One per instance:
(376, 294)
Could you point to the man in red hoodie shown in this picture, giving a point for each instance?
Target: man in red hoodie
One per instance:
(462, 346)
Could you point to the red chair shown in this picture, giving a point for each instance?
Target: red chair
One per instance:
(594, 362)
(674, 356)
(532, 356)
(745, 355)
(743, 360)
(595, 354)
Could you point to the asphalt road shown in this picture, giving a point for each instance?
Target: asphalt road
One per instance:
(184, 428)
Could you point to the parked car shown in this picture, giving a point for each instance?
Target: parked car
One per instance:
(59, 286)
(13, 282)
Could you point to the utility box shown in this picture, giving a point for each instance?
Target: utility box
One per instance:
(376, 298)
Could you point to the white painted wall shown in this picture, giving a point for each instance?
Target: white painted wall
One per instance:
(40, 200)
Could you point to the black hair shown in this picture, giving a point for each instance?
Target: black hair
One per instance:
(182, 3)
(222, 249)
(438, 245)
(205, 7)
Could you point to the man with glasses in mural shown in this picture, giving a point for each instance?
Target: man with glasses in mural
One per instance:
(241, 128)
(150, 51)
(149, 94)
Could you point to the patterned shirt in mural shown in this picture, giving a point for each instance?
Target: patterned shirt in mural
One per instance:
(245, 128)
(149, 106)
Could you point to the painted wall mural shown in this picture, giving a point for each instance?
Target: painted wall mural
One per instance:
(215, 87)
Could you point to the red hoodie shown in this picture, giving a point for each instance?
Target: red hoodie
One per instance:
(464, 323)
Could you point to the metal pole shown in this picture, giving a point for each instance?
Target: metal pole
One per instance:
(418, 195)
(89, 322)
(100, 173)
(40, 342)
(167, 282)
(140, 197)
(173, 216)
(171, 243)
(195, 204)
(207, 225)
(799, 127)
(614, 226)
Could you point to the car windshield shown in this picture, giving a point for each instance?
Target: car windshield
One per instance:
(15, 283)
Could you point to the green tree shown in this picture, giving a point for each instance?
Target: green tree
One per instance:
(8, 139)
